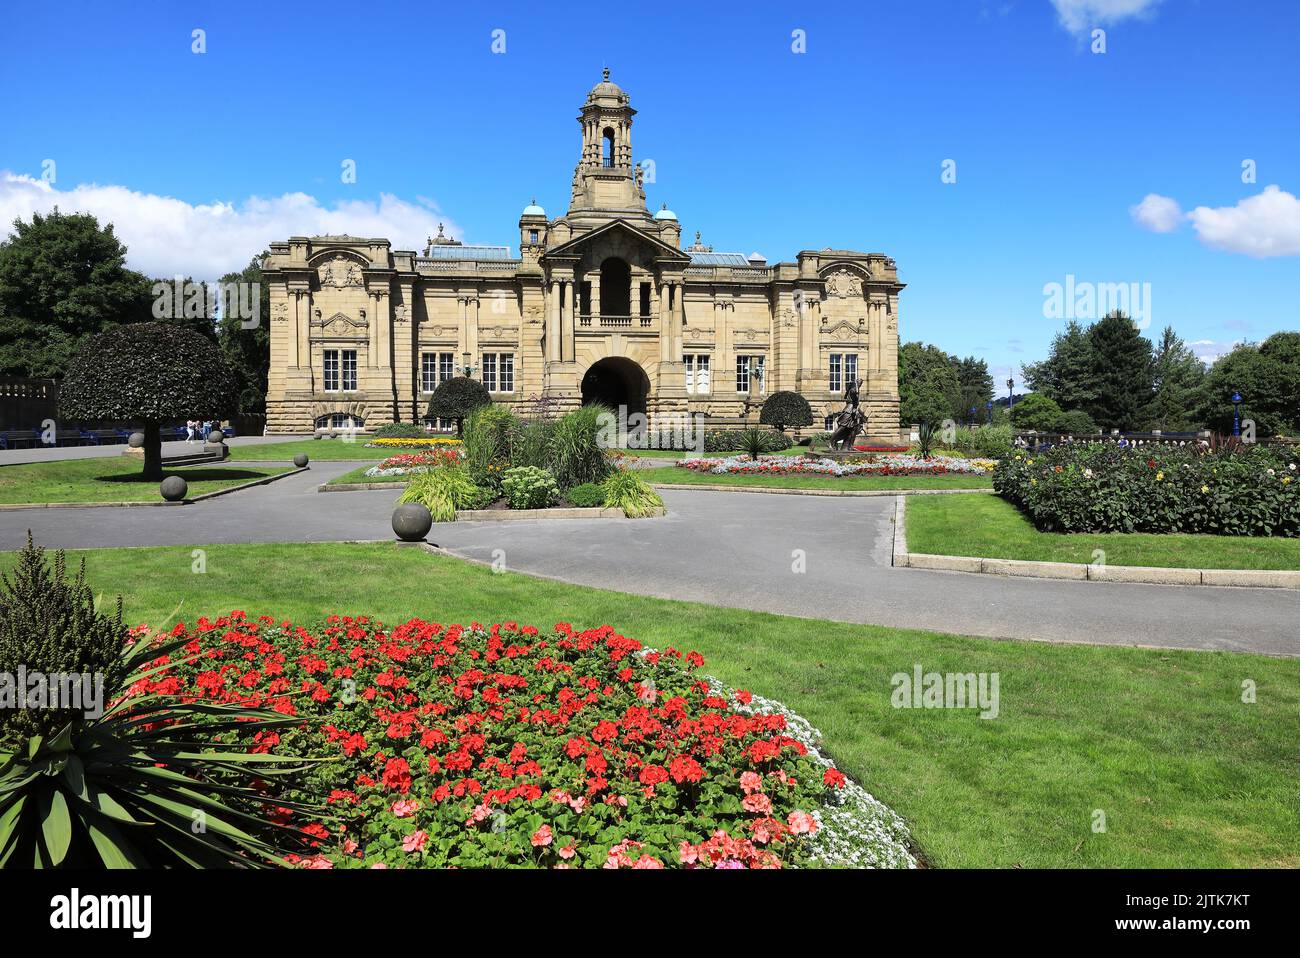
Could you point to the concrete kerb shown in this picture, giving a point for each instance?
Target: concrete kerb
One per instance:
(1090, 572)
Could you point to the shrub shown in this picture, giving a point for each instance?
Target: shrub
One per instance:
(627, 491)
(148, 372)
(753, 442)
(587, 496)
(456, 398)
(1076, 422)
(730, 440)
(122, 780)
(532, 443)
(444, 489)
(401, 430)
(927, 436)
(1036, 411)
(527, 487)
(576, 453)
(1104, 487)
(504, 746)
(785, 408)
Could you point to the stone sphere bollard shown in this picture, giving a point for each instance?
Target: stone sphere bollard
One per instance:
(300, 460)
(173, 488)
(135, 440)
(412, 521)
(216, 436)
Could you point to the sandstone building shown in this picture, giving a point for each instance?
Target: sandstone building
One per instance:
(602, 303)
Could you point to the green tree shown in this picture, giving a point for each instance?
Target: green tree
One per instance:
(1036, 411)
(247, 348)
(456, 398)
(1067, 374)
(976, 386)
(147, 372)
(1121, 374)
(63, 279)
(784, 408)
(1268, 377)
(1179, 380)
(928, 388)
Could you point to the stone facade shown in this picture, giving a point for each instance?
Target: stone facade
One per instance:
(601, 304)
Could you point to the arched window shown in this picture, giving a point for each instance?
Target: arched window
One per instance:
(607, 157)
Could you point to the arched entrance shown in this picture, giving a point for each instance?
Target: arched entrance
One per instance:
(614, 382)
(615, 287)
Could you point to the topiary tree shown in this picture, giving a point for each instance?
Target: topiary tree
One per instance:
(456, 398)
(785, 408)
(148, 372)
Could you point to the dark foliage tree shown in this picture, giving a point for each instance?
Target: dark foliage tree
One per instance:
(1036, 411)
(785, 408)
(63, 278)
(1121, 373)
(456, 398)
(148, 372)
(247, 347)
(976, 386)
(928, 388)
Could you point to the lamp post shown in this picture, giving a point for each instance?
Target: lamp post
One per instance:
(1236, 413)
(1011, 392)
(974, 414)
(989, 405)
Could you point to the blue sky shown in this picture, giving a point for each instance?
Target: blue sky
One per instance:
(201, 159)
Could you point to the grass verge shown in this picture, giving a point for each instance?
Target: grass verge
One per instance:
(319, 450)
(114, 479)
(1160, 741)
(992, 528)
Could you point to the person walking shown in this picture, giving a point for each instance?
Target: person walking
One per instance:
(189, 431)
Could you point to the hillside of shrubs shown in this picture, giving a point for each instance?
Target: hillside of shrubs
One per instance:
(1104, 487)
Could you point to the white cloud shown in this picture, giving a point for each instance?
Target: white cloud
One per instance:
(1157, 213)
(1079, 16)
(1266, 224)
(165, 236)
(1208, 350)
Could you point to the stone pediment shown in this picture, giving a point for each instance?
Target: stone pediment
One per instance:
(340, 324)
(845, 330)
(613, 231)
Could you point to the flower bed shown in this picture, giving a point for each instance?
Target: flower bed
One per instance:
(868, 466)
(412, 442)
(404, 464)
(1102, 487)
(498, 747)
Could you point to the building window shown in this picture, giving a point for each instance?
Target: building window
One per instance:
(499, 372)
(340, 420)
(532, 237)
(435, 368)
(330, 381)
(697, 373)
(844, 370)
(340, 370)
(743, 364)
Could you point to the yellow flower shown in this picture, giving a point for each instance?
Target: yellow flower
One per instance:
(1160, 476)
(1286, 480)
(1205, 488)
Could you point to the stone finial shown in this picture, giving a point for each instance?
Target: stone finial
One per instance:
(606, 74)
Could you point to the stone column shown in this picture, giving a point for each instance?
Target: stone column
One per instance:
(553, 344)
(568, 320)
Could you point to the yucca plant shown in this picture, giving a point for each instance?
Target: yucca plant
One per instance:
(147, 782)
(626, 490)
(927, 435)
(754, 443)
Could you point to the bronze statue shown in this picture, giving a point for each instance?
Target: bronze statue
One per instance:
(849, 421)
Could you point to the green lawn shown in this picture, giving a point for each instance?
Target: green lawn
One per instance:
(359, 475)
(676, 474)
(114, 479)
(321, 450)
(992, 528)
(1186, 774)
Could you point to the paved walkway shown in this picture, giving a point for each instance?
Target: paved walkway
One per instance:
(732, 549)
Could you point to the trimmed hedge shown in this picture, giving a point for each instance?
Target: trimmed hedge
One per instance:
(1101, 487)
(785, 408)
